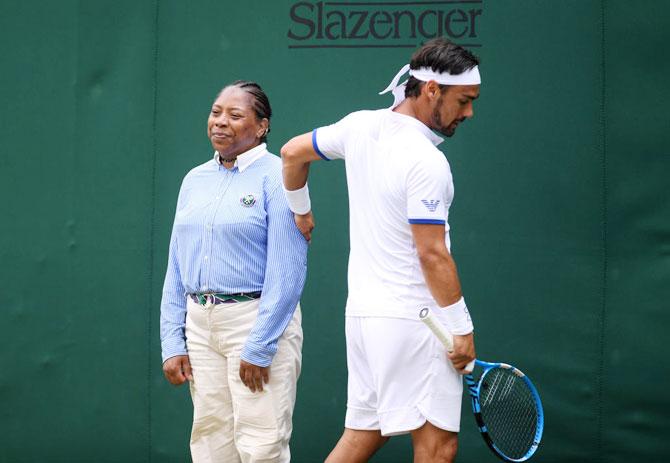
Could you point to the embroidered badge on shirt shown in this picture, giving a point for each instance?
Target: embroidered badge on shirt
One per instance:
(431, 204)
(247, 200)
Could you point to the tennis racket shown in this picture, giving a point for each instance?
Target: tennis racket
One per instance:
(506, 405)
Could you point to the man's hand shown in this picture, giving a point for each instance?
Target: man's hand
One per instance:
(464, 351)
(177, 370)
(305, 224)
(254, 376)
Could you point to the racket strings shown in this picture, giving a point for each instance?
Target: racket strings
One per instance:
(509, 411)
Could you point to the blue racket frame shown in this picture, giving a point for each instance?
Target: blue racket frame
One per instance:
(473, 389)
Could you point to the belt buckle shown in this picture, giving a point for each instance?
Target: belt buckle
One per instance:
(203, 299)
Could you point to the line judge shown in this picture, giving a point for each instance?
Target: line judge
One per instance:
(230, 321)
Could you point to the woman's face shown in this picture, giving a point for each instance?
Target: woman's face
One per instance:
(232, 126)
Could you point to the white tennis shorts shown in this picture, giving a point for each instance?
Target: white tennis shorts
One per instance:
(399, 377)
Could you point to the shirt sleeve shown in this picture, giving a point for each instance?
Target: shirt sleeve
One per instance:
(173, 307)
(330, 141)
(173, 301)
(428, 184)
(285, 273)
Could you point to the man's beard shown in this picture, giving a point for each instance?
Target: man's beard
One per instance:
(447, 131)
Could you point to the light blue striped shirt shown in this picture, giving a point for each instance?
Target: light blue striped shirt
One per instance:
(234, 233)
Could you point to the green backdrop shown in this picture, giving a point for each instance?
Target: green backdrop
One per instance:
(560, 225)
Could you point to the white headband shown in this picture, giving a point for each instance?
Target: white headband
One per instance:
(469, 77)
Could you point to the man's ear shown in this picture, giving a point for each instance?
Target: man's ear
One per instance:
(431, 90)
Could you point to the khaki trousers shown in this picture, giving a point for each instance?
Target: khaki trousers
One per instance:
(231, 424)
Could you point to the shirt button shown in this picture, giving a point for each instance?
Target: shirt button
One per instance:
(218, 197)
(206, 257)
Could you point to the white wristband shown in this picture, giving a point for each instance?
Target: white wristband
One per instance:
(457, 318)
(298, 200)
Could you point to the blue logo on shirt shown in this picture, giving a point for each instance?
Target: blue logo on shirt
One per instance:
(247, 200)
(431, 204)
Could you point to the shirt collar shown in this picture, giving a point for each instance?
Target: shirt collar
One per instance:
(423, 128)
(245, 159)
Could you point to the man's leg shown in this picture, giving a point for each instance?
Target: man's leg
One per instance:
(359, 444)
(356, 446)
(434, 445)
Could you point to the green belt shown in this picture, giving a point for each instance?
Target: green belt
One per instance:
(220, 297)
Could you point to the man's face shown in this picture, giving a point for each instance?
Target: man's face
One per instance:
(452, 107)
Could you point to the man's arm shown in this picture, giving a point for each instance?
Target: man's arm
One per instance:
(327, 143)
(438, 266)
(439, 270)
(296, 156)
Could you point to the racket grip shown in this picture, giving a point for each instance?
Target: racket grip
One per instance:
(438, 329)
(431, 321)
(469, 368)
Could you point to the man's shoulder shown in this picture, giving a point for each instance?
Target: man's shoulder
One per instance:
(365, 116)
(407, 130)
(408, 139)
(427, 158)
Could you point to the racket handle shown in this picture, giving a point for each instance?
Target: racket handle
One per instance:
(438, 329)
(431, 321)
(469, 368)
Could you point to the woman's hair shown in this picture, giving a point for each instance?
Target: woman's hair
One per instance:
(440, 55)
(261, 103)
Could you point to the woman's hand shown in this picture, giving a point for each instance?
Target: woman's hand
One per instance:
(305, 223)
(177, 370)
(254, 376)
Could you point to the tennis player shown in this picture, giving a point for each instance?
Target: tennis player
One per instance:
(401, 380)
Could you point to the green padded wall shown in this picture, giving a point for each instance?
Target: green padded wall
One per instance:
(560, 225)
(635, 375)
(75, 242)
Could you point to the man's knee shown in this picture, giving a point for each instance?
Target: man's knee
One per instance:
(356, 446)
(439, 452)
(369, 439)
(447, 452)
(434, 445)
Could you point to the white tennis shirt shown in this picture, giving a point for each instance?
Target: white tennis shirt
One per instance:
(395, 176)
